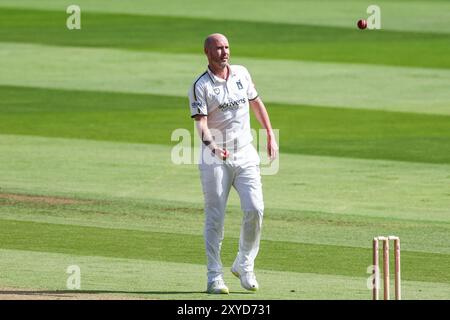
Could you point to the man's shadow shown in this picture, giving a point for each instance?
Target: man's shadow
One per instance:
(67, 293)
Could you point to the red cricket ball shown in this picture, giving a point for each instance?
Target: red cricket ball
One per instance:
(362, 24)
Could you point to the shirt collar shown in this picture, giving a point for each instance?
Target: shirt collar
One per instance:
(215, 79)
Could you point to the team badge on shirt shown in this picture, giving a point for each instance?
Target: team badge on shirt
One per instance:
(239, 85)
(216, 90)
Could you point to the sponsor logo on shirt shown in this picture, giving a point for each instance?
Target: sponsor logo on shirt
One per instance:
(232, 104)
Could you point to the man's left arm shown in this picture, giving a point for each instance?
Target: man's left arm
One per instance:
(262, 116)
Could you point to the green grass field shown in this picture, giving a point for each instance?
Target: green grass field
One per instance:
(86, 118)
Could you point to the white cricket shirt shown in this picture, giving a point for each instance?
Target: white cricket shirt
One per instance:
(226, 103)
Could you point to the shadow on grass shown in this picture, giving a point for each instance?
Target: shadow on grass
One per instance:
(62, 293)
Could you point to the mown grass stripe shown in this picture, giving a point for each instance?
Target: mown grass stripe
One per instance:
(416, 90)
(186, 218)
(417, 15)
(114, 170)
(280, 256)
(105, 275)
(367, 134)
(248, 39)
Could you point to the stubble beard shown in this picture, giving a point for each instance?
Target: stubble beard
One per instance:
(223, 64)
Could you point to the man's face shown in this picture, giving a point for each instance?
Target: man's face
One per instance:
(218, 52)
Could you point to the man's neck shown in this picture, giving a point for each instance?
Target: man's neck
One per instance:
(219, 71)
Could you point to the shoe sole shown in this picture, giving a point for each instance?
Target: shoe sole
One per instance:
(219, 292)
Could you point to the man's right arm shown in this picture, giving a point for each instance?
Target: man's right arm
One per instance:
(201, 123)
(199, 111)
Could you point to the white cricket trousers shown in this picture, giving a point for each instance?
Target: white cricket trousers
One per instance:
(242, 172)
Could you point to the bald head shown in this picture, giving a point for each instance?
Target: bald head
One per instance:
(214, 38)
(217, 50)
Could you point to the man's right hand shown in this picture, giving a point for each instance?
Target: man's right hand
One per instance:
(222, 154)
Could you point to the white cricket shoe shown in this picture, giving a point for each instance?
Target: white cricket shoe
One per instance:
(248, 279)
(217, 287)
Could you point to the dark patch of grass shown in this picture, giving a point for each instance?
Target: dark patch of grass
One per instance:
(275, 255)
(250, 39)
(366, 134)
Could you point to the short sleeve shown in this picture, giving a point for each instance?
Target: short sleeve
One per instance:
(252, 94)
(197, 100)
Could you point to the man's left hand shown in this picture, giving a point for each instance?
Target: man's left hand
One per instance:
(272, 147)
